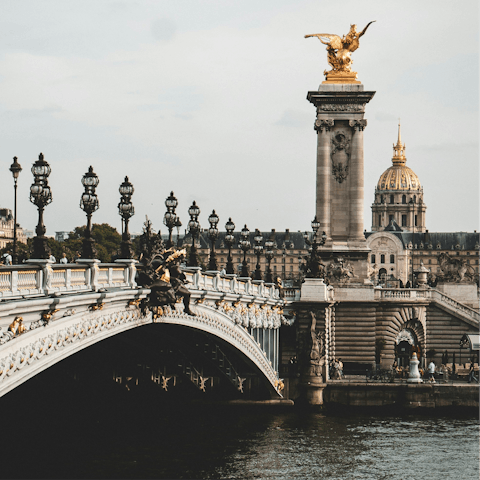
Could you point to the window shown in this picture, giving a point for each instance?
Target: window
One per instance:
(404, 220)
(372, 258)
(392, 258)
(415, 220)
(429, 261)
(390, 218)
(404, 199)
(291, 268)
(379, 220)
(291, 260)
(275, 268)
(392, 199)
(382, 258)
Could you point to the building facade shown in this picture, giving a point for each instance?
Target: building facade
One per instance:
(401, 244)
(7, 227)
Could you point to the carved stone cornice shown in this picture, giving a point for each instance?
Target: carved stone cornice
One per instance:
(358, 125)
(341, 107)
(323, 125)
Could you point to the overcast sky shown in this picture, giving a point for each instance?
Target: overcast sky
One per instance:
(208, 99)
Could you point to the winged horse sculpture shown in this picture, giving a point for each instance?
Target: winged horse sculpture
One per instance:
(340, 48)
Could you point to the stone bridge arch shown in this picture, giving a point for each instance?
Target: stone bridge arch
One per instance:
(70, 330)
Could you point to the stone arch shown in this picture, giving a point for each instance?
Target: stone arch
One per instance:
(45, 345)
(394, 320)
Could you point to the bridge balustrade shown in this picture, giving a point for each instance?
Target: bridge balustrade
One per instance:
(22, 281)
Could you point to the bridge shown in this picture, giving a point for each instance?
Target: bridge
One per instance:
(49, 312)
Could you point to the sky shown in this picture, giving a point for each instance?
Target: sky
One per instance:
(208, 99)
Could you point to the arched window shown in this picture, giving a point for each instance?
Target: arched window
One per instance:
(382, 199)
(392, 199)
(392, 258)
(382, 258)
(404, 199)
(372, 258)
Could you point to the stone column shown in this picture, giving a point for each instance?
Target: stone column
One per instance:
(324, 174)
(356, 188)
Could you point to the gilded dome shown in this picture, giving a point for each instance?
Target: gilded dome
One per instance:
(399, 176)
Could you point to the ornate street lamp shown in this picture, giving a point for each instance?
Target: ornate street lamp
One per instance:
(194, 229)
(258, 249)
(89, 204)
(41, 196)
(314, 266)
(213, 235)
(229, 240)
(126, 210)
(178, 225)
(15, 168)
(269, 252)
(170, 216)
(245, 246)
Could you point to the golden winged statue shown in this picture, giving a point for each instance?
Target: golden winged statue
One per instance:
(340, 49)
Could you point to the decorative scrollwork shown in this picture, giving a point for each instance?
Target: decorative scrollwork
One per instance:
(358, 125)
(323, 125)
(341, 107)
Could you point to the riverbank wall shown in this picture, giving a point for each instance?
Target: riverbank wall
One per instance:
(405, 396)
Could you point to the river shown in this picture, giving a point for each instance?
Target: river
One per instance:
(63, 436)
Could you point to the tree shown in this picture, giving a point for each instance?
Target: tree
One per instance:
(107, 243)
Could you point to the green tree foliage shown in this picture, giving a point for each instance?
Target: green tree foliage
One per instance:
(107, 244)
(107, 241)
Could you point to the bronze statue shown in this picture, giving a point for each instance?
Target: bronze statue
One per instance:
(340, 49)
(161, 272)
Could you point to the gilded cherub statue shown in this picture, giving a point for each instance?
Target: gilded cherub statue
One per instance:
(340, 50)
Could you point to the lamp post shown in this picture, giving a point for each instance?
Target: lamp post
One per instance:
(269, 252)
(178, 225)
(15, 168)
(126, 210)
(194, 229)
(314, 269)
(41, 196)
(258, 249)
(89, 204)
(213, 235)
(170, 216)
(229, 240)
(245, 246)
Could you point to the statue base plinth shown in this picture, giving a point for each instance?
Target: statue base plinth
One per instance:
(341, 77)
(313, 387)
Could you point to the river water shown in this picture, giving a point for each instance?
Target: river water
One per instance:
(137, 438)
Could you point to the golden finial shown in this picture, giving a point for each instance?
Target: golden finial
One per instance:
(399, 150)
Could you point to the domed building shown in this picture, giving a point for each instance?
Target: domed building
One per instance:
(399, 195)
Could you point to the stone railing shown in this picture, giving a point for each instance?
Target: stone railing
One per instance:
(291, 294)
(396, 294)
(459, 308)
(45, 278)
(214, 281)
(430, 295)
